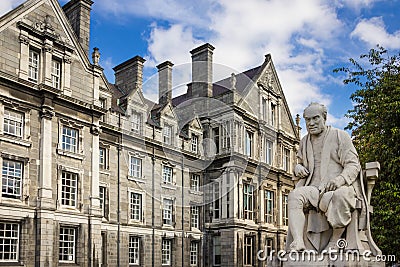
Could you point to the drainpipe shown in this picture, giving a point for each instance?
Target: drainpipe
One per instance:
(153, 161)
(183, 205)
(119, 192)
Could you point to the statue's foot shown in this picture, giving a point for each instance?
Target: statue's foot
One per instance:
(297, 245)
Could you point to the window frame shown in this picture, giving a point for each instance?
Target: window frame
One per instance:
(14, 241)
(194, 144)
(248, 250)
(56, 77)
(194, 253)
(286, 159)
(63, 201)
(195, 182)
(135, 207)
(195, 217)
(269, 152)
(248, 201)
(167, 174)
(166, 252)
(34, 67)
(73, 242)
(8, 175)
(13, 122)
(103, 200)
(167, 133)
(133, 168)
(285, 209)
(74, 148)
(137, 121)
(134, 250)
(269, 198)
(217, 257)
(249, 143)
(168, 212)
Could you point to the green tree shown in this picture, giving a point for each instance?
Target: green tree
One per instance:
(375, 126)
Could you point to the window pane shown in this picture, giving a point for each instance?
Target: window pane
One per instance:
(68, 188)
(69, 140)
(166, 252)
(13, 123)
(135, 168)
(11, 178)
(136, 206)
(134, 249)
(9, 241)
(67, 244)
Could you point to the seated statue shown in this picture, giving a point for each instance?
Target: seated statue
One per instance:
(328, 186)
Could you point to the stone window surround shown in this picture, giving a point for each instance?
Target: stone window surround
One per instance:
(141, 156)
(79, 190)
(26, 136)
(142, 206)
(48, 46)
(79, 128)
(25, 181)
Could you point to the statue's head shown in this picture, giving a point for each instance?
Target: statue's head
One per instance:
(315, 117)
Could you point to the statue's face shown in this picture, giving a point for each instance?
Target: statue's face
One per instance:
(315, 121)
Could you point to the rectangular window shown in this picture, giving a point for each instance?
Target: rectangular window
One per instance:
(102, 158)
(69, 186)
(13, 123)
(248, 250)
(268, 152)
(269, 246)
(102, 196)
(286, 159)
(194, 216)
(248, 201)
(272, 114)
(136, 122)
(264, 109)
(55, 73)
(217, 250)
(194, 144)
(194, 253)
(9, 241)
(285, 215)
(226, 132)
(166, 251)
(136, 206)
(11, 179)
(67, 246)
(135, 167)
(167, 134)
(69, 139)
(103, 104)
(167, 174)
(227, 201)
(167, 211)
(34, 61)
(216, 139)
(269, 206)
(134, 250)
(249, 144)
(195, 182)
(216, 200)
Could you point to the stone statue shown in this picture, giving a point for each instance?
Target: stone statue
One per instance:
(327, 188)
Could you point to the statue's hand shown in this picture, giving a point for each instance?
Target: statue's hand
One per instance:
(301, 171)
(335, 183)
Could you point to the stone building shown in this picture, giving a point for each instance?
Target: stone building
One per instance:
(95, 174)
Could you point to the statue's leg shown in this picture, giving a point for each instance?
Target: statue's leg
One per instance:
(298, 199)
(339, 212)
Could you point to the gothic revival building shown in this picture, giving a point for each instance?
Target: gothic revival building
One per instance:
(95, 174)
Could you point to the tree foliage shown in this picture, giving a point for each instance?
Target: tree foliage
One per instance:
(375, 126)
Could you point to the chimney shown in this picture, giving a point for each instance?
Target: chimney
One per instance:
(129, 74)
(78, 14)
(165, 82)
(202, 71)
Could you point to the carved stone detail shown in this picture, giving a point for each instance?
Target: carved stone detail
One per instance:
(47, 112)
(95, 130)
(24, 39)
(67, 59)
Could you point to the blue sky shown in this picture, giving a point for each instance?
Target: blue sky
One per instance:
(306, 38)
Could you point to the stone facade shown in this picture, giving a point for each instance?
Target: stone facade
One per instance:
(95, 174)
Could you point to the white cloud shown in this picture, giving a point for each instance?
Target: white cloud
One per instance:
(7, 5)
(372, 31)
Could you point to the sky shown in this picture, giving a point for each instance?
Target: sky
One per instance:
(307, 39)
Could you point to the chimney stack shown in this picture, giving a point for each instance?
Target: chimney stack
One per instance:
(78, 14)
(202, 71)
(165, 82)
(129, 74)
